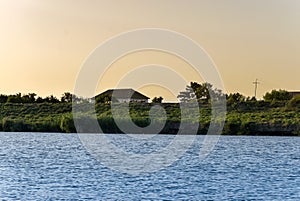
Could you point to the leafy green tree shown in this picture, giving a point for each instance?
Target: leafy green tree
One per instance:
(51, 99)
(15, 98)
(103, 98)
(40, 100)
(187, 95)
(157, 99)
(294, 102)
(251, 99)
(19, 98)
(32, 97)
(235, 98)
(280, 95)
(66, 97)
(201, 92)
(25, 99)
(3, 98)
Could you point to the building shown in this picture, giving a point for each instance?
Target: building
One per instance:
(125, 95)
(294, 93)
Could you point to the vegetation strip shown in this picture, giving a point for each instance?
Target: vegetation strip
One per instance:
(277, 114)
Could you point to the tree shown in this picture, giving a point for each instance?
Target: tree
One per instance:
(280, 95)
(25, 99)
(200, 92)
(51, 99)
(15, 98)
(32, 97)
(3, 98)
(40, 100)
(103, 98)
(235, 98)
(157, 99)
(66, 97)
(19, 98)
(294, 102)
(251, 99)
(187, 95)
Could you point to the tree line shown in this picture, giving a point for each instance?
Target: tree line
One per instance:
(203, 92)
(32, 98)
(276, 114)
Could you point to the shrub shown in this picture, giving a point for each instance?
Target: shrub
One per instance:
(294, 102)
(14, 125)
(232, 127)
(67, 123)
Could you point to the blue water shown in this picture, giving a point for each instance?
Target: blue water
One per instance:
(40, 166)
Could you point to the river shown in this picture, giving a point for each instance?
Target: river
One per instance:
(54, 166)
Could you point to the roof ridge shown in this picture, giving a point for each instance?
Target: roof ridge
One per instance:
(126, 91)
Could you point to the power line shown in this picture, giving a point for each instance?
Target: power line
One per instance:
(256, 83)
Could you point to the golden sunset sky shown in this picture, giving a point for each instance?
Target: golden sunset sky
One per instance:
(43, 44)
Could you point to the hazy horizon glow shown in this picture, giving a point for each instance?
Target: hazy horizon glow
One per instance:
(44, 43)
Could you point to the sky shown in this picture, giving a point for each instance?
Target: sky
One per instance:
(43, 44)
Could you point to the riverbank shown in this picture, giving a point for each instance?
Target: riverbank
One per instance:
(257, 118)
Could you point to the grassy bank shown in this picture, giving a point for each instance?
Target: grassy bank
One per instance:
(248, 118)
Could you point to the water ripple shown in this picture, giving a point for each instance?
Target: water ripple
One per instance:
(39, 166)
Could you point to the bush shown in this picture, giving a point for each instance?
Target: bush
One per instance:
(280, 95)
(248, 128)
(67, 123)
(232, 127)
(14, 125)
(294, 102)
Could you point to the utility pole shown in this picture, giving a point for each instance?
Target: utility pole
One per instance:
(256, 83)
